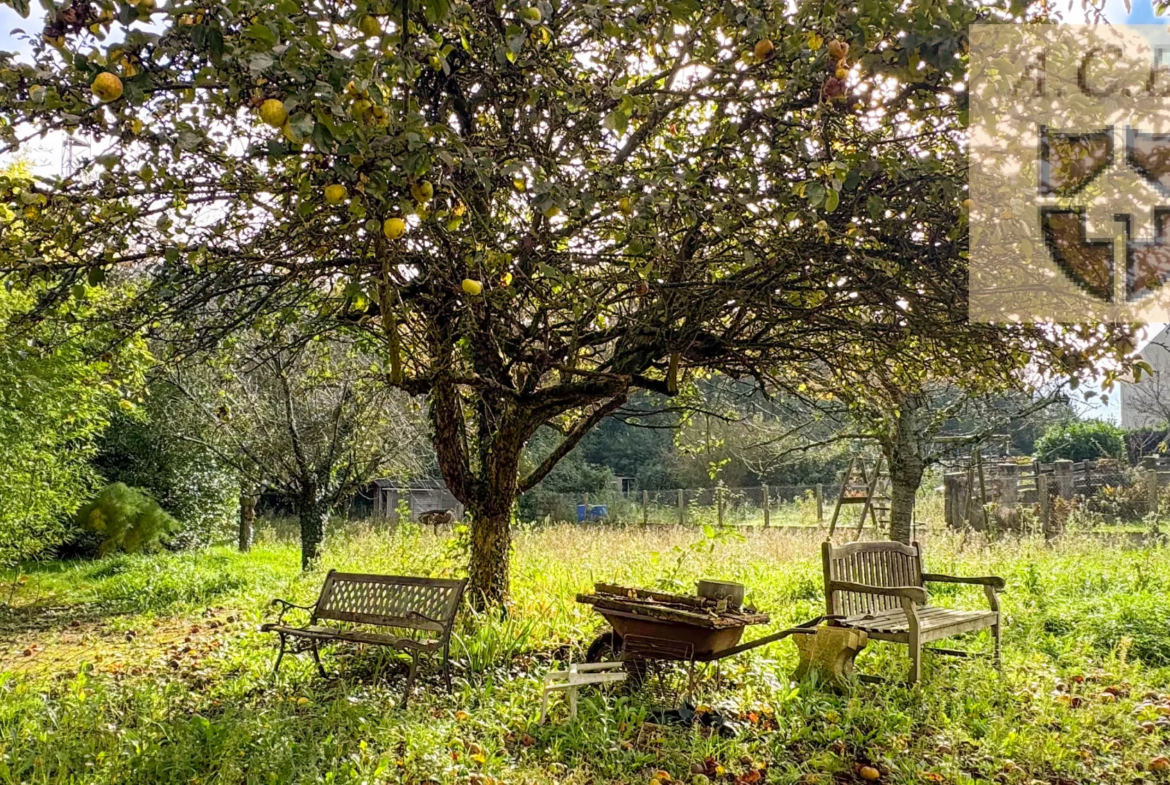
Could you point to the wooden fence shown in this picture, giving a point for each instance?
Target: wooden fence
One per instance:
(992, 494)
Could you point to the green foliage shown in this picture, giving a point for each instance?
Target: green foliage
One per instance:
(146, 449)
(1081, 440)
(59, 382)
(123, 519)
(572, 475)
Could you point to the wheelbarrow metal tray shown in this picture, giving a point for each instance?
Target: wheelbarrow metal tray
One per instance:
(702, 624)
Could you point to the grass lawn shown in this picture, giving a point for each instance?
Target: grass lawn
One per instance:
(149, 669)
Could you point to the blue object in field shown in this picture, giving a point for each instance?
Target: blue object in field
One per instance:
(592, 513)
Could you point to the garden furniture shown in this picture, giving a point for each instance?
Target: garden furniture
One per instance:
(879, 588)
(412, 615)
(578, 675)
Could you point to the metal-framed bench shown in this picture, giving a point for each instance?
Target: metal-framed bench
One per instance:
(418, 614)
(880, 589)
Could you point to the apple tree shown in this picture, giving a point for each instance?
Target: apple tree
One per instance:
(535, 206)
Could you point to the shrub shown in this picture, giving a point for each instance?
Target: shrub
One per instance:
(122, 518)
(143, 449)
(1081, 440)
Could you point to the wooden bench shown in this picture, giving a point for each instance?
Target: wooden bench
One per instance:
(880, 589)
(417, 614)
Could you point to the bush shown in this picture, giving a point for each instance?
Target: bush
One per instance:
(1081, 440)
(122, 518)
(143, 450)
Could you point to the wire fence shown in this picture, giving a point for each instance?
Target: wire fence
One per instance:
(786, 505)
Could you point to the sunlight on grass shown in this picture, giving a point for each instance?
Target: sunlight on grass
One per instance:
(150, 670)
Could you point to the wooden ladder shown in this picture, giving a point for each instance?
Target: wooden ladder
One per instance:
(872, 490)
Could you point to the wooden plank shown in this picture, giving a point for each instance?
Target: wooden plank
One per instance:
(660, 596)
(670, 614)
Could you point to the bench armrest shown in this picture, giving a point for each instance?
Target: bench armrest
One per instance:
(916, 594)
(286, 605)
(992, 581)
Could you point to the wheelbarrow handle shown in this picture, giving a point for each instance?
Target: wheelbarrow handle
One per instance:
(807, 628)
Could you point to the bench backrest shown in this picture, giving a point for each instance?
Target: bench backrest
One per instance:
(884, 564)
(390, 601)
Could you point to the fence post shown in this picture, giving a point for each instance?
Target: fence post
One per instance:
(719, 504)
(645, 507)
(585, 502)
(1045, 507)
(1152, 490)
(820, 504)
(767, 512)
(1064, 478)
(682, 508)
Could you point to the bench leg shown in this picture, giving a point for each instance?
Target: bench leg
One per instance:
(997, 633)
(544, 704)
(447, 666)
(280, 656)
(317, 659)
(915, 660)
(410, 679)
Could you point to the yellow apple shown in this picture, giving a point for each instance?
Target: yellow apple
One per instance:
(335, 194)
(394, 228)
(472, 286)
(764, 47)
(422, 192)
(107, 87)
(626, 205)
(273, 112)
(370, 26)
(838, 50)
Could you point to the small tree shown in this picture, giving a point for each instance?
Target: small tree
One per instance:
(124, 519)
(296, 415)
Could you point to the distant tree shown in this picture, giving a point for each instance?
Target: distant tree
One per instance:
(1081, 440)
(1148, 395)
(300, 416)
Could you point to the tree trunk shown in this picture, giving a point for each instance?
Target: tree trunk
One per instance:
(491, 550)
(247, 521)
(907, 465)
(312, 512)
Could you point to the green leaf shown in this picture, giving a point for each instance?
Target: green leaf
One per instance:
(262, 33)
(617, 120)
(831, 200)
(815, 194)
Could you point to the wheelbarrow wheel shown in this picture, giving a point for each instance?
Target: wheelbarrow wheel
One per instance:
(607, 647)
